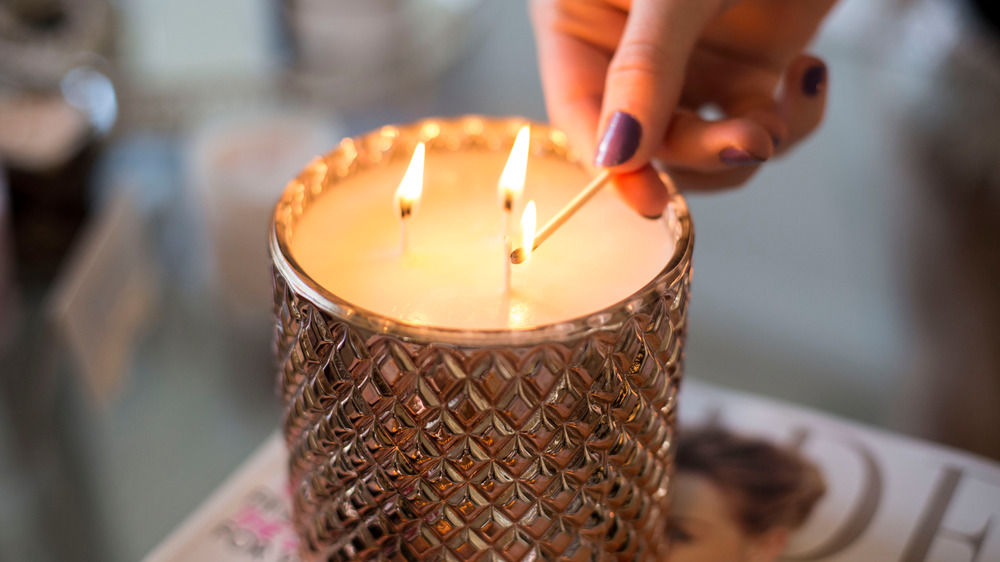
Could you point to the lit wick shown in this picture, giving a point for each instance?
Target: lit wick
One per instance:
(529, 245)
(506, 268)
(408, 194)
(529, 219)
(511, 183)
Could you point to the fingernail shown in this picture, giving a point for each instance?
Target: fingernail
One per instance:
(620, 140)
(736, 156)
(653, 217)
(813, 79)
(775, 141)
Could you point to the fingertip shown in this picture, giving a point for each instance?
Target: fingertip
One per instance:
(643, 191)
(761, 109)
(770, 123)
(737, 156)
(814, 79)
(693, 181)
(806, 77)
(803, 98)
(619, 141)
(751, 136)
(693, 143)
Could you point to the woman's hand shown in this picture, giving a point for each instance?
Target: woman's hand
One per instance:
(625, 78)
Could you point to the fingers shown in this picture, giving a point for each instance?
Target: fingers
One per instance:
(643, 191)
(687, 180)
(797, 113)
(709, 146)
(691, 142)
(761, 109)
(628, 89)
(802, 101)
(645, 77)
(573, 63)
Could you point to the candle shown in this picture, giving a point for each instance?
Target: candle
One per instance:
(431, 414)
(451, 276)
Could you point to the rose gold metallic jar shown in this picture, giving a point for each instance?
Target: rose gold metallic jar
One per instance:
(415, 442)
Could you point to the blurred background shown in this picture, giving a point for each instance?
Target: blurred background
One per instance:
(143, 144)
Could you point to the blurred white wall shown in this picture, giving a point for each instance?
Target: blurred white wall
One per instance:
(185, 40)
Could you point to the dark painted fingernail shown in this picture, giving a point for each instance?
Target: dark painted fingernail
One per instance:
(775, 141)
(620, 140)
(813, 79)
(736, 156)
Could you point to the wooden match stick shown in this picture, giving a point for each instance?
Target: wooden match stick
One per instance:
(588, 192)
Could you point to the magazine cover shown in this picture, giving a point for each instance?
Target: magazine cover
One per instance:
(756, 480)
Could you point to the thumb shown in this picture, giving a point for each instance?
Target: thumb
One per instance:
(645, 77)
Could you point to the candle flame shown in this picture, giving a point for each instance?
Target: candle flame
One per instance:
(528, 222)
(512, 179)
(408, 194)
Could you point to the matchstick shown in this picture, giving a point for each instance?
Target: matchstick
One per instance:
(588, 192)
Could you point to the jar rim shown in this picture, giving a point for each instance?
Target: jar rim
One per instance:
(372, 149)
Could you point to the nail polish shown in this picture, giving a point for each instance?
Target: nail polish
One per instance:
(813, 80)
(736, 156)
(620, 140)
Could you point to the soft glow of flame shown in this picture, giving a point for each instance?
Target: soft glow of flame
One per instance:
(408, 194)
(512, 179)
(528, 222)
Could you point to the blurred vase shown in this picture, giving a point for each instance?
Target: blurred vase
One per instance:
(57, 105)
(953, 239)
(237, 168)
(8, 293)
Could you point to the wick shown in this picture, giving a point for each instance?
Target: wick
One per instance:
(586, 194)
(506, 266)
(408, 193)
(508, 214)
(405, 212)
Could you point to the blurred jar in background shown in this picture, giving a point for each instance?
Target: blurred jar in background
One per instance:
(352, 52)
(56, 103)
(954, 240)
(237, 168)
(8, 298)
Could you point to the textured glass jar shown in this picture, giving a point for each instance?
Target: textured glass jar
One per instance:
(416, 442)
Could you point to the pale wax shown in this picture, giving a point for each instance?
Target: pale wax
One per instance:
(452, 274)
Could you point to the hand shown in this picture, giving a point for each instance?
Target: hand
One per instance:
(637, 71)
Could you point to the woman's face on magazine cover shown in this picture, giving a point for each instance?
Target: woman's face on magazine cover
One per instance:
(703, 526)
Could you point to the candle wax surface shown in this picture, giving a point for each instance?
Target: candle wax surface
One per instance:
(452, 274)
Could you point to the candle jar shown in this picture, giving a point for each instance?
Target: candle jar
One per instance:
(421, 442)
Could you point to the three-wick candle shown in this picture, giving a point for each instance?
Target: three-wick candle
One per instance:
(452, 273)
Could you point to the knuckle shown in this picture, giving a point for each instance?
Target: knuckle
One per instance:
(642, 57)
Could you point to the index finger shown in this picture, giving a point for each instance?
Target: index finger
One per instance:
(573, 58)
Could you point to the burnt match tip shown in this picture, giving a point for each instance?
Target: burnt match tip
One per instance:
(518, 256)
